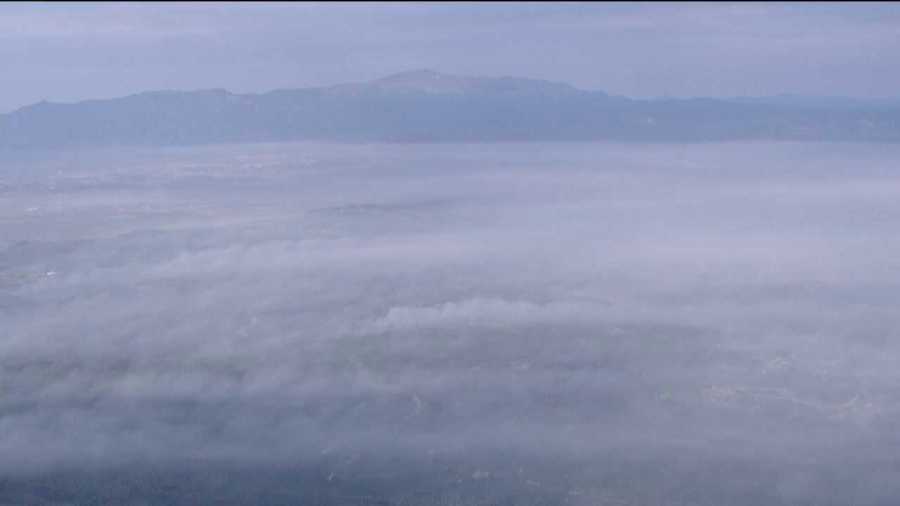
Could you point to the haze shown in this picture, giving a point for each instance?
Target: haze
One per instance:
(70, 52)
(367, 294)
(506, 322)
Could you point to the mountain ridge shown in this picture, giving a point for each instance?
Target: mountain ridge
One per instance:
(426, 105)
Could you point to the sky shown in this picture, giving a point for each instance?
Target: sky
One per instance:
(67, 52)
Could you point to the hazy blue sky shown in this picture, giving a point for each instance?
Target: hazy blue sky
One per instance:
(63, 52)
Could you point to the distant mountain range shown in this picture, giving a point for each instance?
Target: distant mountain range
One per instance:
(424, 105)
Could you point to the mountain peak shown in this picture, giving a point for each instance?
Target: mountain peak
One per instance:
(415, 75)
(424, 80)
(431, 81)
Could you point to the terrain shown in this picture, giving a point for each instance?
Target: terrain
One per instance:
(427, 106)
(368, 323)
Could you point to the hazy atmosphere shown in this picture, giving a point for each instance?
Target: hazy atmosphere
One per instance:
(507, 281)
(68, 52)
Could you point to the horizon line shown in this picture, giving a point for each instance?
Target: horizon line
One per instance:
(431, 70)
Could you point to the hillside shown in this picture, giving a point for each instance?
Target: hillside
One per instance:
(425, 105)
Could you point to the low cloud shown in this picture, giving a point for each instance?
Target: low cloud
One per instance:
(426, 310)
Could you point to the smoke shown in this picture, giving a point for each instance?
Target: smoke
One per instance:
(681, 324)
